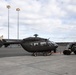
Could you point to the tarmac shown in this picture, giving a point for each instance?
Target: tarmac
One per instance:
(16, 61)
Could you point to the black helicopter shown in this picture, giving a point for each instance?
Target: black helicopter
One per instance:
(71, 47)
(33, 45)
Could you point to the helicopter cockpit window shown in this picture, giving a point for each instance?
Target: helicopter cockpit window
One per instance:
(42, 43)
(49, 43)
(52, 42)
(31, 44)
(35, 44)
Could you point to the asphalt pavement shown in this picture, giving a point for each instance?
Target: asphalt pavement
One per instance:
(16, 61)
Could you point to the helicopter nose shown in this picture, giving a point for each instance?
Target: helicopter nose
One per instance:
(56, 45)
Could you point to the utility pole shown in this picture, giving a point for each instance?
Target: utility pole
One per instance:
(8, 6)
(18, 9)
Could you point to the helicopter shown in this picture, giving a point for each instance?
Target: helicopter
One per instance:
(71, 47)
(34, 45)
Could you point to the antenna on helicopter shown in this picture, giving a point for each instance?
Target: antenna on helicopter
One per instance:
(48, 38)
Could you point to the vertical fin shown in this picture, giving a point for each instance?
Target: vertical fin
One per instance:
(1, 37)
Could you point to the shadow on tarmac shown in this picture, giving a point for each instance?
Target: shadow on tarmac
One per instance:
(12, 52)
(14, 55)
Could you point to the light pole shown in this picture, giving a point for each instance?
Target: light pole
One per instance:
(18, 9)
(8, 6)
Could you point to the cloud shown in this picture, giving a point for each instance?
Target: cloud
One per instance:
(49, 18)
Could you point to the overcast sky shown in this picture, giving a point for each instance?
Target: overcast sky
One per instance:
(54, 19)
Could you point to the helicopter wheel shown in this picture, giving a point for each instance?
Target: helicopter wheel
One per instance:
(35, 54)
(44, 54)
(74, 52)
(66, 52)
(47, 53)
